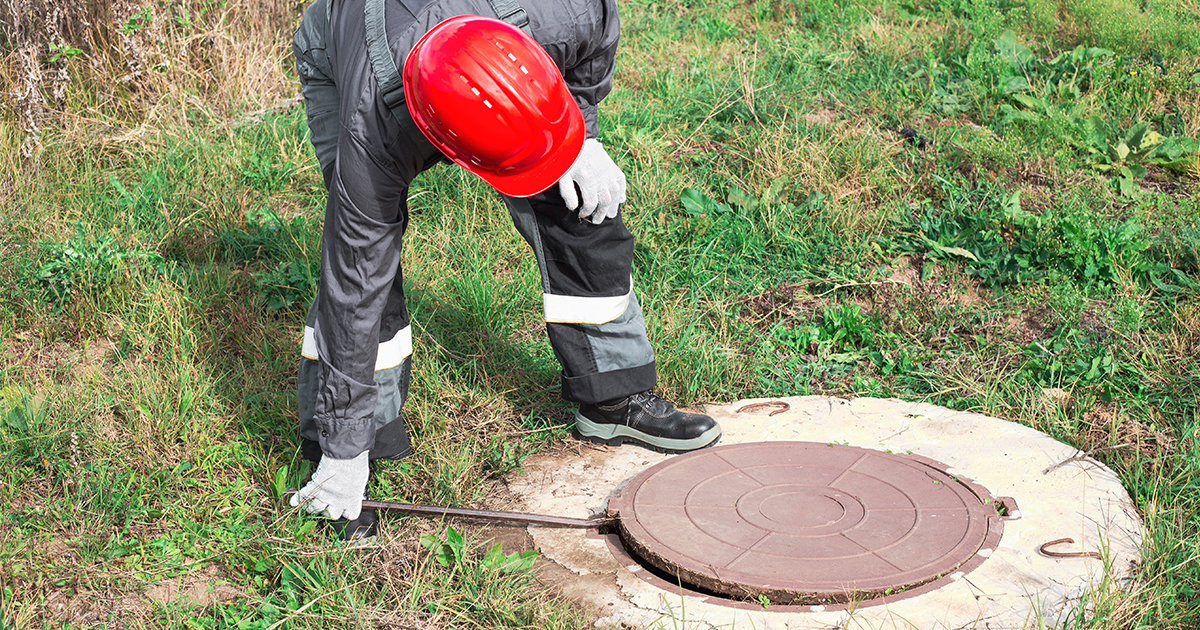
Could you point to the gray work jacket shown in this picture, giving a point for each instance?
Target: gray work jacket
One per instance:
(375, 158)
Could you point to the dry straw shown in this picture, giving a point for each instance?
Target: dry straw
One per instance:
(119, 71)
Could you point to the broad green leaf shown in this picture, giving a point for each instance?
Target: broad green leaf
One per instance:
(1012, 203)
(1009, 48)
(1126, 183)
(1150, 141)
(494, 556)
(955, 251)
(1164, 287)
(1097, 133)
(696, 203)
(1016, 84)
(1011, 113)
(1134, 135)
(1094, 371)
(527, 559)
(16, 419)
(1031, 102)
(1169, 150)
(738, 198)
(1185, 279)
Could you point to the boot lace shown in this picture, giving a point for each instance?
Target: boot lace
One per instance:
(653, 404)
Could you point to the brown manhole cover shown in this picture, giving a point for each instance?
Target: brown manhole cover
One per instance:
(804, 523)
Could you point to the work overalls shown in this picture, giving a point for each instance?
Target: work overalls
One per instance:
(356, 354)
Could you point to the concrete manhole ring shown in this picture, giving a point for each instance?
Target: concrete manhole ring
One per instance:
(804, 522)
(1008, 586)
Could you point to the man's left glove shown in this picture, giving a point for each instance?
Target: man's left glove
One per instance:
(336, 488)
(599, 179)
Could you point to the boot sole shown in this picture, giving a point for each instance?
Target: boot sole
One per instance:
(618, 434)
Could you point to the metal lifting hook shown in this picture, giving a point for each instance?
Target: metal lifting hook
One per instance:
(774, 403)
(1066, 554)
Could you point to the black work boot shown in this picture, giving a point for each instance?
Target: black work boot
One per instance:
(361, 530)
(648, 420)
(358, 531)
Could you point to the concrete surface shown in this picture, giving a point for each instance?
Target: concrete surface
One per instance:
(1015, 587)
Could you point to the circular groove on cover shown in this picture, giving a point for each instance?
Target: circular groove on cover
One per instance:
(803, 522)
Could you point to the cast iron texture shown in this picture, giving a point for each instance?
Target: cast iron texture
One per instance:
(804, 523)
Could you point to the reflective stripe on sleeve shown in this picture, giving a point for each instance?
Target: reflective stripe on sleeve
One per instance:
(391, 352)
(569, 309)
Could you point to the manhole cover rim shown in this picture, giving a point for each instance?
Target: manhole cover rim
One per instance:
(636, 566)
(983, 530)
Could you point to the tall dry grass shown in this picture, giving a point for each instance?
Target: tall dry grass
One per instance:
(85, 75)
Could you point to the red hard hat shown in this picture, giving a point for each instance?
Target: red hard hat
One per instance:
(489, 98)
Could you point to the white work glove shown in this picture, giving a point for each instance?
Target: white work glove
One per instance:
(336, 488)
(599, 179)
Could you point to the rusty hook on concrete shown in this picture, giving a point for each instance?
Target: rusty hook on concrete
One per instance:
(773, 403)
(1066, 554)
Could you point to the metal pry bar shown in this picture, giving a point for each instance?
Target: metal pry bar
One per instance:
(593, 522)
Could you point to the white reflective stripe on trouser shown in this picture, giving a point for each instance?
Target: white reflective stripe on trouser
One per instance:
(569, 309)
(391, 352)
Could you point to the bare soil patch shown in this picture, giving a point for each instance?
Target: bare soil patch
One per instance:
(202, 588)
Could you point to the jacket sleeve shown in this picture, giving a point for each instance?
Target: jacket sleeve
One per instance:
(588, 69)
(359, 262)
(360, 243)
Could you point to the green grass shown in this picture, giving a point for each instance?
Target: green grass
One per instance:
(157, 262)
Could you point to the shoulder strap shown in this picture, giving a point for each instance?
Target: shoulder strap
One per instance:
(382, 64)
(391, 86)
(510, 11)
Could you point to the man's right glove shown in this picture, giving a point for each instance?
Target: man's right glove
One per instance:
(599, 179)
(336, 488)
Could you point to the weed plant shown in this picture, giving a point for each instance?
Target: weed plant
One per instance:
(980, 204)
